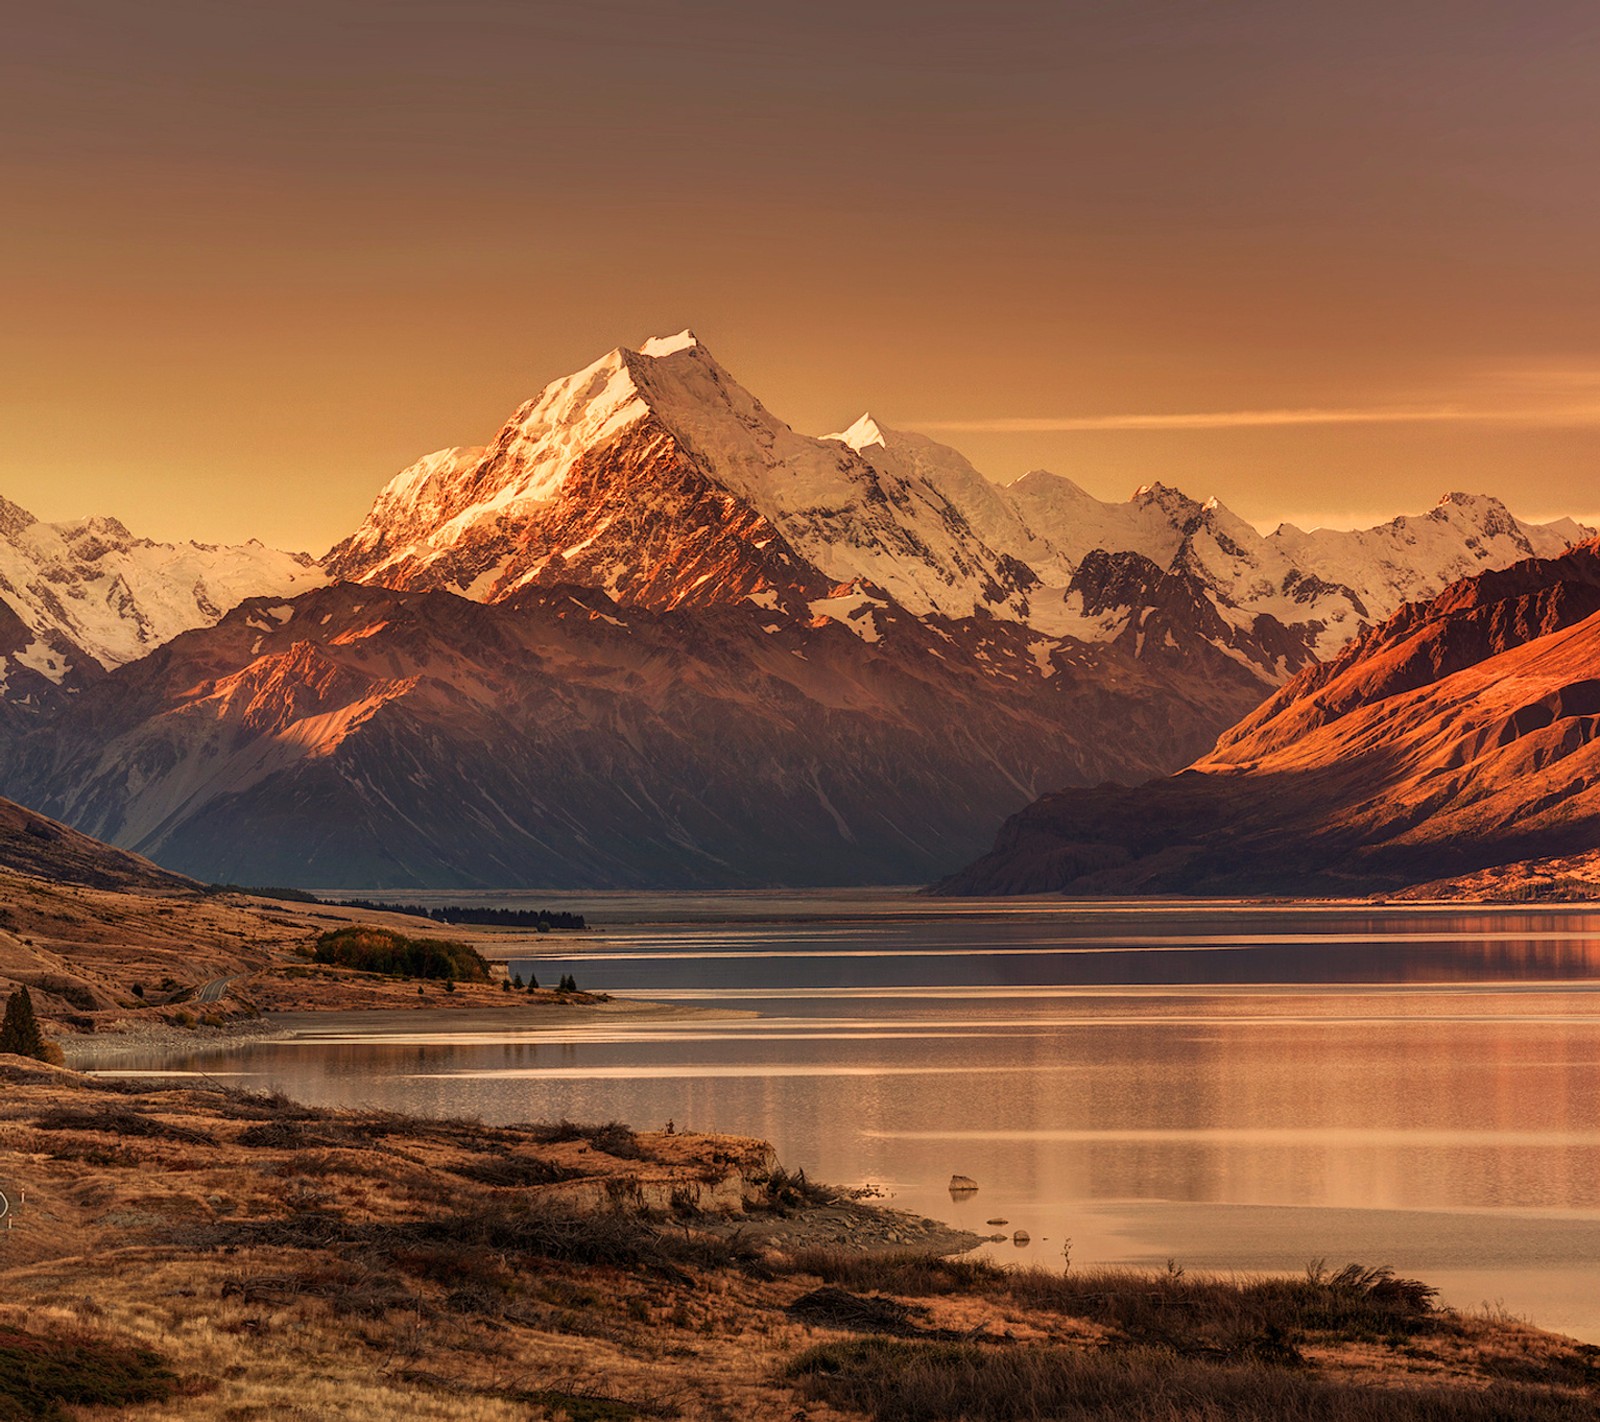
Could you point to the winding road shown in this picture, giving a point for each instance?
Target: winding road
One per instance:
(217, 988)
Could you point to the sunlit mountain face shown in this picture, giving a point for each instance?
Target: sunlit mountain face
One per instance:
(1459, 736)
(649, 634)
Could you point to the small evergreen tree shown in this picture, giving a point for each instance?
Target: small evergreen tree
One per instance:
(516, 981)
(533, 983)
(19, 1031)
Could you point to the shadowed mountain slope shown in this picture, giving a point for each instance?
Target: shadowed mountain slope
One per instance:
(1460, 734)
(367, 736)
(32, 844)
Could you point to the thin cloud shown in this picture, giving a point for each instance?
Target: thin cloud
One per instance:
(1550, 416)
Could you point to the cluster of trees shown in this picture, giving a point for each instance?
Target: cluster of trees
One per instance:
(540, 920)
(20, 1033)
(514, 983)
(381, 950)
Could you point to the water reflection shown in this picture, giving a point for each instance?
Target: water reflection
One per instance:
(1234, 1088)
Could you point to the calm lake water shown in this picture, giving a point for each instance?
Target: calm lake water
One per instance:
(1235, 1087)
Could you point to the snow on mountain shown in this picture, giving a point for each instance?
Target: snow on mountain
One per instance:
(913, 460)
(1461, 734)
(559, 493)
(1412, 558)
(653, 475)
(1331, 584)
(81, 597)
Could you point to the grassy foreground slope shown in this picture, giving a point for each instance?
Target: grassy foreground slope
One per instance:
(227, 1256)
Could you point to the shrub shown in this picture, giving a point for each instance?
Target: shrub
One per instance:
(381, 950)
(511, 1171)
(38, 1373)
(117, 1120)
(901, 1381)
(613, 1138)
(1202, 1314)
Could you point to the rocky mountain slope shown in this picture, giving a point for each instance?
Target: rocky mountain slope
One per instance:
(1459, 735)
(651, 473)
(79, 598)
(651, 635)
(367, 736)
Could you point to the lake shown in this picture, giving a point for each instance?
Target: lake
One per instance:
(1231, 1086)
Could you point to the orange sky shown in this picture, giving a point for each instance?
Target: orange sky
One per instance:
(1324, 261)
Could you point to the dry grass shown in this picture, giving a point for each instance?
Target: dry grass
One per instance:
(274, 1261)
(900, 1381)
(98, 959)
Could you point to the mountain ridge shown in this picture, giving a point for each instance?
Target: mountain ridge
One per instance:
(650, 635)
(82, 597)
(892, 509)
(1461, 735)
(558, 737)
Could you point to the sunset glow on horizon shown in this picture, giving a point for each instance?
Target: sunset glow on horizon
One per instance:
(1323, 263)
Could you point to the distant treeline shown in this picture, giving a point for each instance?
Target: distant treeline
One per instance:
(273, 891)
(540, 920)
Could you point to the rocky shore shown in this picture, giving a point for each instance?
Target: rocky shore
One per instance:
(178, 1252)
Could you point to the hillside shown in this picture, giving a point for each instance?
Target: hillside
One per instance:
(1459, 735)
(359, 736)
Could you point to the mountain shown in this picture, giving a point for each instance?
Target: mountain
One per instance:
(1332, 583)
(33, 845)
(361, 736)
(653, 475)
(1459, 735)
(79, 598)
(650, 635)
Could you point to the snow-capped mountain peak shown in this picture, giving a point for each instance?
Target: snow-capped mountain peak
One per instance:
(658, 346)
(864, 433)
(667, 428)
(655, 476)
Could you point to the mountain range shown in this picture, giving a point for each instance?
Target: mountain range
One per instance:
(1462, 734)
(651, 635)
(81, 598)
